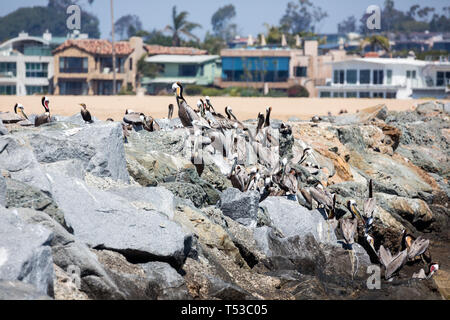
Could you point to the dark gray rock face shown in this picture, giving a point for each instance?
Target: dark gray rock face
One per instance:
(187, 191)
(2, 191)
(240, 206)
(164, 283)
(18, 290)
(25, 254)
(3, 130)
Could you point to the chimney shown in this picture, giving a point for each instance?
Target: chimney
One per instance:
(298, 42)
(311, 48)
(263, 40)
(250, 40)
(283, 40)
(47, 36)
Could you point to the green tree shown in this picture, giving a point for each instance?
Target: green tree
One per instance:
(374, 41)
(221, 22)
(347, 25)
(127, 26)
(181, 26)
(302, 16)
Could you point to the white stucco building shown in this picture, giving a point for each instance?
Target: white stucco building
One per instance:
(400, 78)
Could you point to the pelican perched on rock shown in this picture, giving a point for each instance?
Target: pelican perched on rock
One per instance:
(85, 114)
(391, 263)
(349, 226)
(236, 123)
(267, 121)
(422, 274)
(18, 109)
(324, 198)
(416, 247)
(45, 117)
(170, 113)
(369, 206)
(185, 112)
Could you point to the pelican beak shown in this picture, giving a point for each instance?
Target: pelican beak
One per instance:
(355, 211)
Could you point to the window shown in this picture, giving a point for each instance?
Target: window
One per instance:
(325, 94)
(339, 76)
(187, 70)
(36, 70)
(378, 95)
(377, 76)
(338, 94)
(36, 90)
(256, 69)
(411, 74)
(364, 76)
(8, 69)
(300, 71)
(73, 65)
(442, 78)
(351, 76)
(391, 95)
(106, 64)
(351, 94)
(8, 90)
(73, 87)
(389, 76)
(364, 94)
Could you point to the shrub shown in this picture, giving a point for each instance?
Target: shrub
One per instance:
(297, 91)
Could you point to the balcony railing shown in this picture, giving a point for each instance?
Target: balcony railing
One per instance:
(73, 70)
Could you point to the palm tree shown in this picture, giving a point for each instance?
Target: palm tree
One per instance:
(374, 40)
(180, 25)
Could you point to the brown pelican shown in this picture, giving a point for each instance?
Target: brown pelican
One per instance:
(352, 207)
(208, 103)
(232, 118)
(258, 134)
(369, 205)
(170, 114)
(392, 264)
(45, 117)
(416, 247)
(110, 120)
(150, 124)
(432, 268)
(133, 118)
(185, 112)
(239, 178)
(349, 227)
(20, 108)
(85, 114)
(267, 121)
(324, 198)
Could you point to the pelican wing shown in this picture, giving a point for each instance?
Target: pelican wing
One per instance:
(349, 227)
(396, 263)
(418, 247)
(385, 256)
(132, 118)
(369, 207)
(321, 197)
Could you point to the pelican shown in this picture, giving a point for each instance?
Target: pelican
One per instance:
(352, 207)
(45, 117)
(349, 226)
(416, 247)
(238, 176)
(85, 114)
(134, 118)
(324, 198)
(208, 103)
(21, 108)
(432, 268)
(267, 121)
(150, 124)
(170, 114)
(231, 117)
(369, 206)
(185, 112)
(391, 264)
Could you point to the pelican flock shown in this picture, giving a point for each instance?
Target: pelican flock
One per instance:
(252, 150)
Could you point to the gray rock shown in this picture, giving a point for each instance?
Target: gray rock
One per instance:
(18, 290)
(25, 254)
(9, 117)
(227, 291)
(240, 205)
(3, 130)
(187, 191)
(149, 198)
(20, 162)
(105, 220)
(292, 219)
(2, 191)
(164, 282)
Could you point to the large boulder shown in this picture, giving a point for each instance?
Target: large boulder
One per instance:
(240, 206)
(293, 219)
(25, 253)
(103, 219)
(18, 290)
(20, 163)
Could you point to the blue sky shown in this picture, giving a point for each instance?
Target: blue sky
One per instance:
(250, 18)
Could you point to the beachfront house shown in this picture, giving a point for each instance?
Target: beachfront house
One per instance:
(400, 78)
(85, 67)
(277, 67)
(187, 66)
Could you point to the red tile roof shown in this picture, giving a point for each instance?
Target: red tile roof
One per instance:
(156, 49)
(371, 54)
(97, 46)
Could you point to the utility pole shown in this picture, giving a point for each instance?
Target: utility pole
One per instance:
(113, 50)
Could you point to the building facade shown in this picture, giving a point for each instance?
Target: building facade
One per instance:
(189, 69)
(276, 68)
(85, 67)
(386, 78)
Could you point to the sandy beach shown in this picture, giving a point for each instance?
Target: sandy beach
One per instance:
(104, 107)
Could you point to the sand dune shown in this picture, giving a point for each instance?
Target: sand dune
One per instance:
(104, 107)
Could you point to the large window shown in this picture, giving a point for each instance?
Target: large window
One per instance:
(351, 76)
(351, 94)
(442, 78)
(389, 77)
(325, 94)
(378, 95)
(364, 76)
(300, 71)
(391, 95)
(36, 90)
(8, 69)
(411, 74)
(377, 76)
(187, 70)
(73, 87)
(73, 65)
(255, 69)
(364, 94)
(7, 90)
(36, 70)
(339, 76)
(106, 64)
